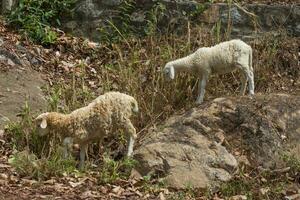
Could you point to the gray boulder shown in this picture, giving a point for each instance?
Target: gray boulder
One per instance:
(202, 147)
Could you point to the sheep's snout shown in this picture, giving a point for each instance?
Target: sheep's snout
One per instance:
(39, 130)
(41, 125)
(169, 72)
(42, 132)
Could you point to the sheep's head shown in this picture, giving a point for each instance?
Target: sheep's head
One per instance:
(41, 124)
(169, 71)
(134, 105)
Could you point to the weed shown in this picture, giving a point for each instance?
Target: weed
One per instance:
(34, 18)
(236, 186)
(35, 156)
(292, 162)
(112, 170)
(22, 134)
(152, 185)
(54, 99)
(134, 22)
(27, 164)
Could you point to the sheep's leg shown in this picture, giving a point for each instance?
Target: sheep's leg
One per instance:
(251, 82)
(201, 88)
(67, 143)
(130, 143)
(83, 149)
(249, 73)
(131, 135)
(244, 79)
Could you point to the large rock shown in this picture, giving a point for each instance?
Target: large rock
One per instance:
(195, 148)
(19, 83)
(277, 17)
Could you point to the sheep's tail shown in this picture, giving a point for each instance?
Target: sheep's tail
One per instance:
(135, 107)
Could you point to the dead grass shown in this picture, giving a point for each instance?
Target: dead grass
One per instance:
(77, 72)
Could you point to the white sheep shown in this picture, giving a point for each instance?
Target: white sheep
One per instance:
(219, 59)
(106, 114)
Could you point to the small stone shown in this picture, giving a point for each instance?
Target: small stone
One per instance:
(220, 137)
(10, 62)
(117, 190)
(3, 182)
(263, 180)
(1, 133)
(14, 179)
(292, 197)
(162, 196)
(1, 41)
(3, 176)
(57, 54)
(238, 197)
(103, 190)
(264, 191)
(243, 160)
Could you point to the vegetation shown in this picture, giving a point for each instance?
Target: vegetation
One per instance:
(125, 25)
(132, 64)
(35, 17)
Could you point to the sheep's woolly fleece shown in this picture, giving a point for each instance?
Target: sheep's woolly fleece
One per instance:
(106, 111)
(219, 59)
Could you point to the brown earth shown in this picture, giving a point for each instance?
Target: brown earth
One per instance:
(19, 82)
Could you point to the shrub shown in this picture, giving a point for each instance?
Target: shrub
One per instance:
(34, 18)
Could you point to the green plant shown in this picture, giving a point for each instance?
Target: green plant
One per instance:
(123, 26)
(54, 98)
(34, 18)
(28, 164)
(22, 134)
(153, 17)
(236, 186)
(292, 161)
(112, 170)
(217, 31)
(190, 190)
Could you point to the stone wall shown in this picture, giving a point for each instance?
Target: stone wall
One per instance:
(90, 15)
(268, 18)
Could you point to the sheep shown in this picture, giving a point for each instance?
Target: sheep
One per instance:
(219, 59)
(104, 115)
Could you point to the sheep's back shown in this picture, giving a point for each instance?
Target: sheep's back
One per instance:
(222, 58)
(101, 115)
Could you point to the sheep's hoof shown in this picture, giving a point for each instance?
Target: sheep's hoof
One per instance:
(198, 102)
(251, 96)
(129, 155)
(81, 167)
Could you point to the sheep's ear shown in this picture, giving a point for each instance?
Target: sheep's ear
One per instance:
(44, 123)
(172, 72)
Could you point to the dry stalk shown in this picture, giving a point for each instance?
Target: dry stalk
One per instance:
(253, 16)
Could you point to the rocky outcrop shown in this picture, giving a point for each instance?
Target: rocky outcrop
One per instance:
(277, 17)
(203, 146)
(90, 16)
(19, 83)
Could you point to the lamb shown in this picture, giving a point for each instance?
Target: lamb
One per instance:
(219, 59)
(106, 114)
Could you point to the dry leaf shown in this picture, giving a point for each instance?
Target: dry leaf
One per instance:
(118, 190)
(3, 176)
(264, 191)
(161, 196)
